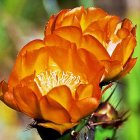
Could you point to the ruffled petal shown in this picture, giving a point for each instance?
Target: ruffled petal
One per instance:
(90, 103)
(123, 33)
(91, 63)
(129, 44)
(85, 94)
(130, 64)
(84, 91)
(87, 91)
(67, 59)
(73, 34)
(61, 128)
(33, 45)
(55, 22)
(27, 101)
(3, 88)
(10, 101)
(70, 20)
(75, 113)
(113, 68)
(94, 14)
(117, 54)
(30, 83)
(94, 46)
(79, 62)
(54, 40)
(133, 31)
(53, 111)
(7, 96)
(111, 27)
(75, 12)
(70, 33)
(124, 49)
(102, 28)
(28, 64)
(90, 15)
(50, 25)
(62, 95)
(127, 24)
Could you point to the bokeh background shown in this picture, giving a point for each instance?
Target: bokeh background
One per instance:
(24, 20)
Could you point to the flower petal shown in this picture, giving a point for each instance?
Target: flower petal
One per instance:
(106, 26)
(62, 95)
(70, 20)
(90, 15)
(53, 111)
(76, 12)
(54, 40)
(64, 18)
(117, 54)
(27, 101)
(90, 103)
(85, 95)
(130, 64)
(28, 64)
(113, 68)
(10, 101)
(111, 27)
(133, 31)
(74, 35)
(61, 128)
(129, 44)
(30, 83)
(123, 33)
(86, 91)
(3, 88)
(124, 49)
(55, 22)
(67, 59)
(7, 96)
(95, 47)
(127, 24)
(50, 25)
(70, 33)
(75, 113)
(91, 63)
(33, 45)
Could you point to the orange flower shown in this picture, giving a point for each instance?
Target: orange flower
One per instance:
(109, 38)
(54, 84)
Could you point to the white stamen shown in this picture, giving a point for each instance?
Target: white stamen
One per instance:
(50, 79)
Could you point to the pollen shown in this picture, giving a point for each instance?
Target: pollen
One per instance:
(49, 79)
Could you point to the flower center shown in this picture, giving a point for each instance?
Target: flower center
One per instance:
(50, 79)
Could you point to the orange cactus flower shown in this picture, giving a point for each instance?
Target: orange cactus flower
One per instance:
(109, 38)
(54, 84)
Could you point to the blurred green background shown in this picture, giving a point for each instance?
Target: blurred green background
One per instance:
(24, 20)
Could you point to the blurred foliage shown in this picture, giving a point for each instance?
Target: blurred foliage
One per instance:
(132, 91)
(103, 133)
(23, 20)
(51, 6)
(86, 3)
